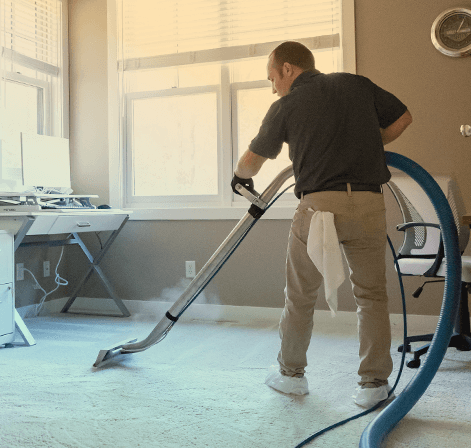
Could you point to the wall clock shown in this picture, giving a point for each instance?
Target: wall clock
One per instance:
(451, 32)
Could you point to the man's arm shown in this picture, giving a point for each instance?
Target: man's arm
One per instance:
(249, 165)
(397, 128)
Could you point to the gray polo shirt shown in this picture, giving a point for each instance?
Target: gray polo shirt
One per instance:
(332, 126)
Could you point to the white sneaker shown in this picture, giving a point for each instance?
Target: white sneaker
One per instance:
(286, 384)
(369, 397)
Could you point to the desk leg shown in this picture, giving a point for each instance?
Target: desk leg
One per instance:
(23, 330)
(94, 267)
(20, 235)
(107, 286)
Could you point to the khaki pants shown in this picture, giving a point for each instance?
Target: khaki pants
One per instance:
(361, 228)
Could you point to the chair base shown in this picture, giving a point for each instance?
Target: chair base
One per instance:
(461, 342)
(461, 339)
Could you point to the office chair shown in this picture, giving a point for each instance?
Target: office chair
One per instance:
(422, 252)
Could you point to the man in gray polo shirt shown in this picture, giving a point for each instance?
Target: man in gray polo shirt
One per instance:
(336, 126)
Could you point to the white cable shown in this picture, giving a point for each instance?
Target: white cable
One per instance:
(30, 313)
(59, 282)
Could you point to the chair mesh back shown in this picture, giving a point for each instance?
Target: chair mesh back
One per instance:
(414, 237)
(455, 199)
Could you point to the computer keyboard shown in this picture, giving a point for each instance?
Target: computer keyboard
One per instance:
(68, 207)
(68, 203)
(24, 202)
(73, 210)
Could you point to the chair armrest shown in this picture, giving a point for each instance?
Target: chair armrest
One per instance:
(407, 225)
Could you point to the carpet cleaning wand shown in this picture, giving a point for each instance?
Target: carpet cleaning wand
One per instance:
(259, 204)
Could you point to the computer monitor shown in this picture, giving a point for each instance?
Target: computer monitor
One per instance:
(45, 161)
(11, 172)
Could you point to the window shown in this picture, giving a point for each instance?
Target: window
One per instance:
(193, 92)
(183, 127)
(33, 70)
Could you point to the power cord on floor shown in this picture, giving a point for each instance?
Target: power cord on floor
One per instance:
(401, 368)
(35, 310)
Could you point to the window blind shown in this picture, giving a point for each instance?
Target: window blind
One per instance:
(30, 33)
(163, 33)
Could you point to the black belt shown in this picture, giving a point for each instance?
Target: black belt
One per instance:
(343, 187)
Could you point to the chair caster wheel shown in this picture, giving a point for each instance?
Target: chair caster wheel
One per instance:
(413, 364)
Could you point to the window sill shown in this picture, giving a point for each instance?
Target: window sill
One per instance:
(283, 211)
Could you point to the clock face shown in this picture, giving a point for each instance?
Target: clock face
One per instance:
(455, 31)
(451, 32)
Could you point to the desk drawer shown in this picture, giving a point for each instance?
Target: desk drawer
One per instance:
(86, 223)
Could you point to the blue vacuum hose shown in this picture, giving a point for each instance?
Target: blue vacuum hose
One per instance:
(383, 424)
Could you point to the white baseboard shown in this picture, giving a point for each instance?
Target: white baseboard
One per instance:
(154, 310)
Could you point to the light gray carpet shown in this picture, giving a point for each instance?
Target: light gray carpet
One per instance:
(203, 386)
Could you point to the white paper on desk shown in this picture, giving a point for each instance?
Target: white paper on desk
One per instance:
(324, 250)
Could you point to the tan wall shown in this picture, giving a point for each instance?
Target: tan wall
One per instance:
(147, 261)
(89, 97)
(394, 49)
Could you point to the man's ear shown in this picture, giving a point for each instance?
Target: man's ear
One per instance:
(287, 68)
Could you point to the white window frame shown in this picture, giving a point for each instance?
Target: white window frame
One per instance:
(48, 114)
(52, 89)
(140, 202)
(288, 200)
(225, 207)
(44, 112)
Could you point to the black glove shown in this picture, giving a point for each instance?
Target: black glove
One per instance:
(247, 183)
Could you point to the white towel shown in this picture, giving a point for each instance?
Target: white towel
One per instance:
(324, 250)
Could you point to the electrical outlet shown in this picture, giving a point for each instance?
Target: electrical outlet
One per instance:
(46, 269)
(20, 273)
(190, 269)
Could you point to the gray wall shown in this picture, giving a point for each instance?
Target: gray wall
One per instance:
(393, 48)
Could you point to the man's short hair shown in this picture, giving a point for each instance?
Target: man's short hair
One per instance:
(294, 53)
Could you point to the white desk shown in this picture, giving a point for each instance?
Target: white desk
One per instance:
(48, 222)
